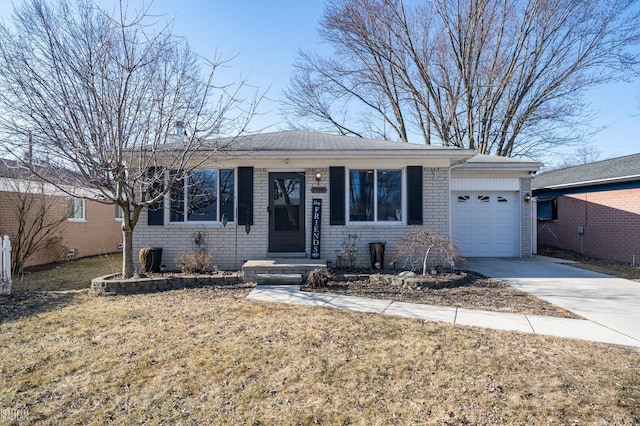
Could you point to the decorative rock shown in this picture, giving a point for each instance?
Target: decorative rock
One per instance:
(405, 274)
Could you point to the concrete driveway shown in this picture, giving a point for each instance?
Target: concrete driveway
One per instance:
(606, 300)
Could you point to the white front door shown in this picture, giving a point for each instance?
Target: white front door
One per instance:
(485, 224)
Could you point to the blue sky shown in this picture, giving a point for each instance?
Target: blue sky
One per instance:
(265, 36)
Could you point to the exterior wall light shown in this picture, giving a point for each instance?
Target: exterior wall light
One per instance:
(318, 176)
(527, 197)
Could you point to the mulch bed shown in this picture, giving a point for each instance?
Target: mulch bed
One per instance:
(472, 292)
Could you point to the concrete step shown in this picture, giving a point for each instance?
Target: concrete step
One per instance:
(252, 268)
(279, 279)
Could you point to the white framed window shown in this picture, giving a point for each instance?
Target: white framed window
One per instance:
(119, 213)
(203, 196)
(375, 195)
(76, 209)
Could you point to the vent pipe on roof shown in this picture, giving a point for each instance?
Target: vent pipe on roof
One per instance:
(179, 130)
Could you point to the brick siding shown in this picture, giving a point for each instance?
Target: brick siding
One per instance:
(228, 254)
(526, 219)
(610, 220)
(99, 233)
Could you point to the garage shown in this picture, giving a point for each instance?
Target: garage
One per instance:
(485, 224)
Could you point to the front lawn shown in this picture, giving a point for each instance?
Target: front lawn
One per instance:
(210, 356)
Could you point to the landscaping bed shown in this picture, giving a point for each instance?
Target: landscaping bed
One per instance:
(467, 290)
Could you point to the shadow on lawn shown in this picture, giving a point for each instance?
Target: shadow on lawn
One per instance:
(22, 304)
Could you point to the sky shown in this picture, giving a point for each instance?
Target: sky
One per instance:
(264, 36)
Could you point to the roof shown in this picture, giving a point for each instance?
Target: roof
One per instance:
(614, 170)
(14, 169)
(305, 144)
(494, 162)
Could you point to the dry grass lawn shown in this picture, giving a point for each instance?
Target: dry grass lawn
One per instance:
(210, 356)
(618, 269)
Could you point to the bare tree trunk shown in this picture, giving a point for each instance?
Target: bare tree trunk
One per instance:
(127, 252)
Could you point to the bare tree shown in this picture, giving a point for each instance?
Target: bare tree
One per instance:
(501, 77)
(585, 154)
(415, 247)
(37, 213)
(98, 93)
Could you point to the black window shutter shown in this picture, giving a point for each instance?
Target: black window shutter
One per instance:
(155, 212)
(336, 196)
(414, 195)
(245, 195)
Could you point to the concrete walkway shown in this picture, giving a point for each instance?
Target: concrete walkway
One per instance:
(561, 327)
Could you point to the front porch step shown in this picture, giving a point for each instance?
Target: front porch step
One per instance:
(279, 279)
(252, 268)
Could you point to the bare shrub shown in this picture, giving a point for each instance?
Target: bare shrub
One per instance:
(318, 278)
(194, 262)
(56, 246)
(425, 250)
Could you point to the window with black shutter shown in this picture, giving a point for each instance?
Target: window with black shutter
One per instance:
(336, 196)
(245, 195)
(414, 195)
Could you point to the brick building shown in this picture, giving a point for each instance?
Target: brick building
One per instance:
(304, 194)
(592, 209)
(86, 228)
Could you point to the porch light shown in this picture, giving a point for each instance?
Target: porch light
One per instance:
(318, 176)
(527, 197)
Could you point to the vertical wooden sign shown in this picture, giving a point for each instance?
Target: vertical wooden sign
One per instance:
(316, 214)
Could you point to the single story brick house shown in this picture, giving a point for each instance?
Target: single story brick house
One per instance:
(86, 228)
(592, 209)
(305, 194)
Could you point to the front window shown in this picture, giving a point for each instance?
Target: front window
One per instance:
(203, 196)
(76, 209)
(375, 195)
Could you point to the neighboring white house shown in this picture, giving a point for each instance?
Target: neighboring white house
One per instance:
(304, 194)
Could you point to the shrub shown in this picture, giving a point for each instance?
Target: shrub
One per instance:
(194, 262)
(425, 250)
(318, 278)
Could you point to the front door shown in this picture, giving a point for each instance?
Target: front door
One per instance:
(286, 212)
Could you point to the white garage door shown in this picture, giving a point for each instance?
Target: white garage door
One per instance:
(485, 224)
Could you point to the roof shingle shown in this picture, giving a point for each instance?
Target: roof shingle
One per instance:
(605, 171)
